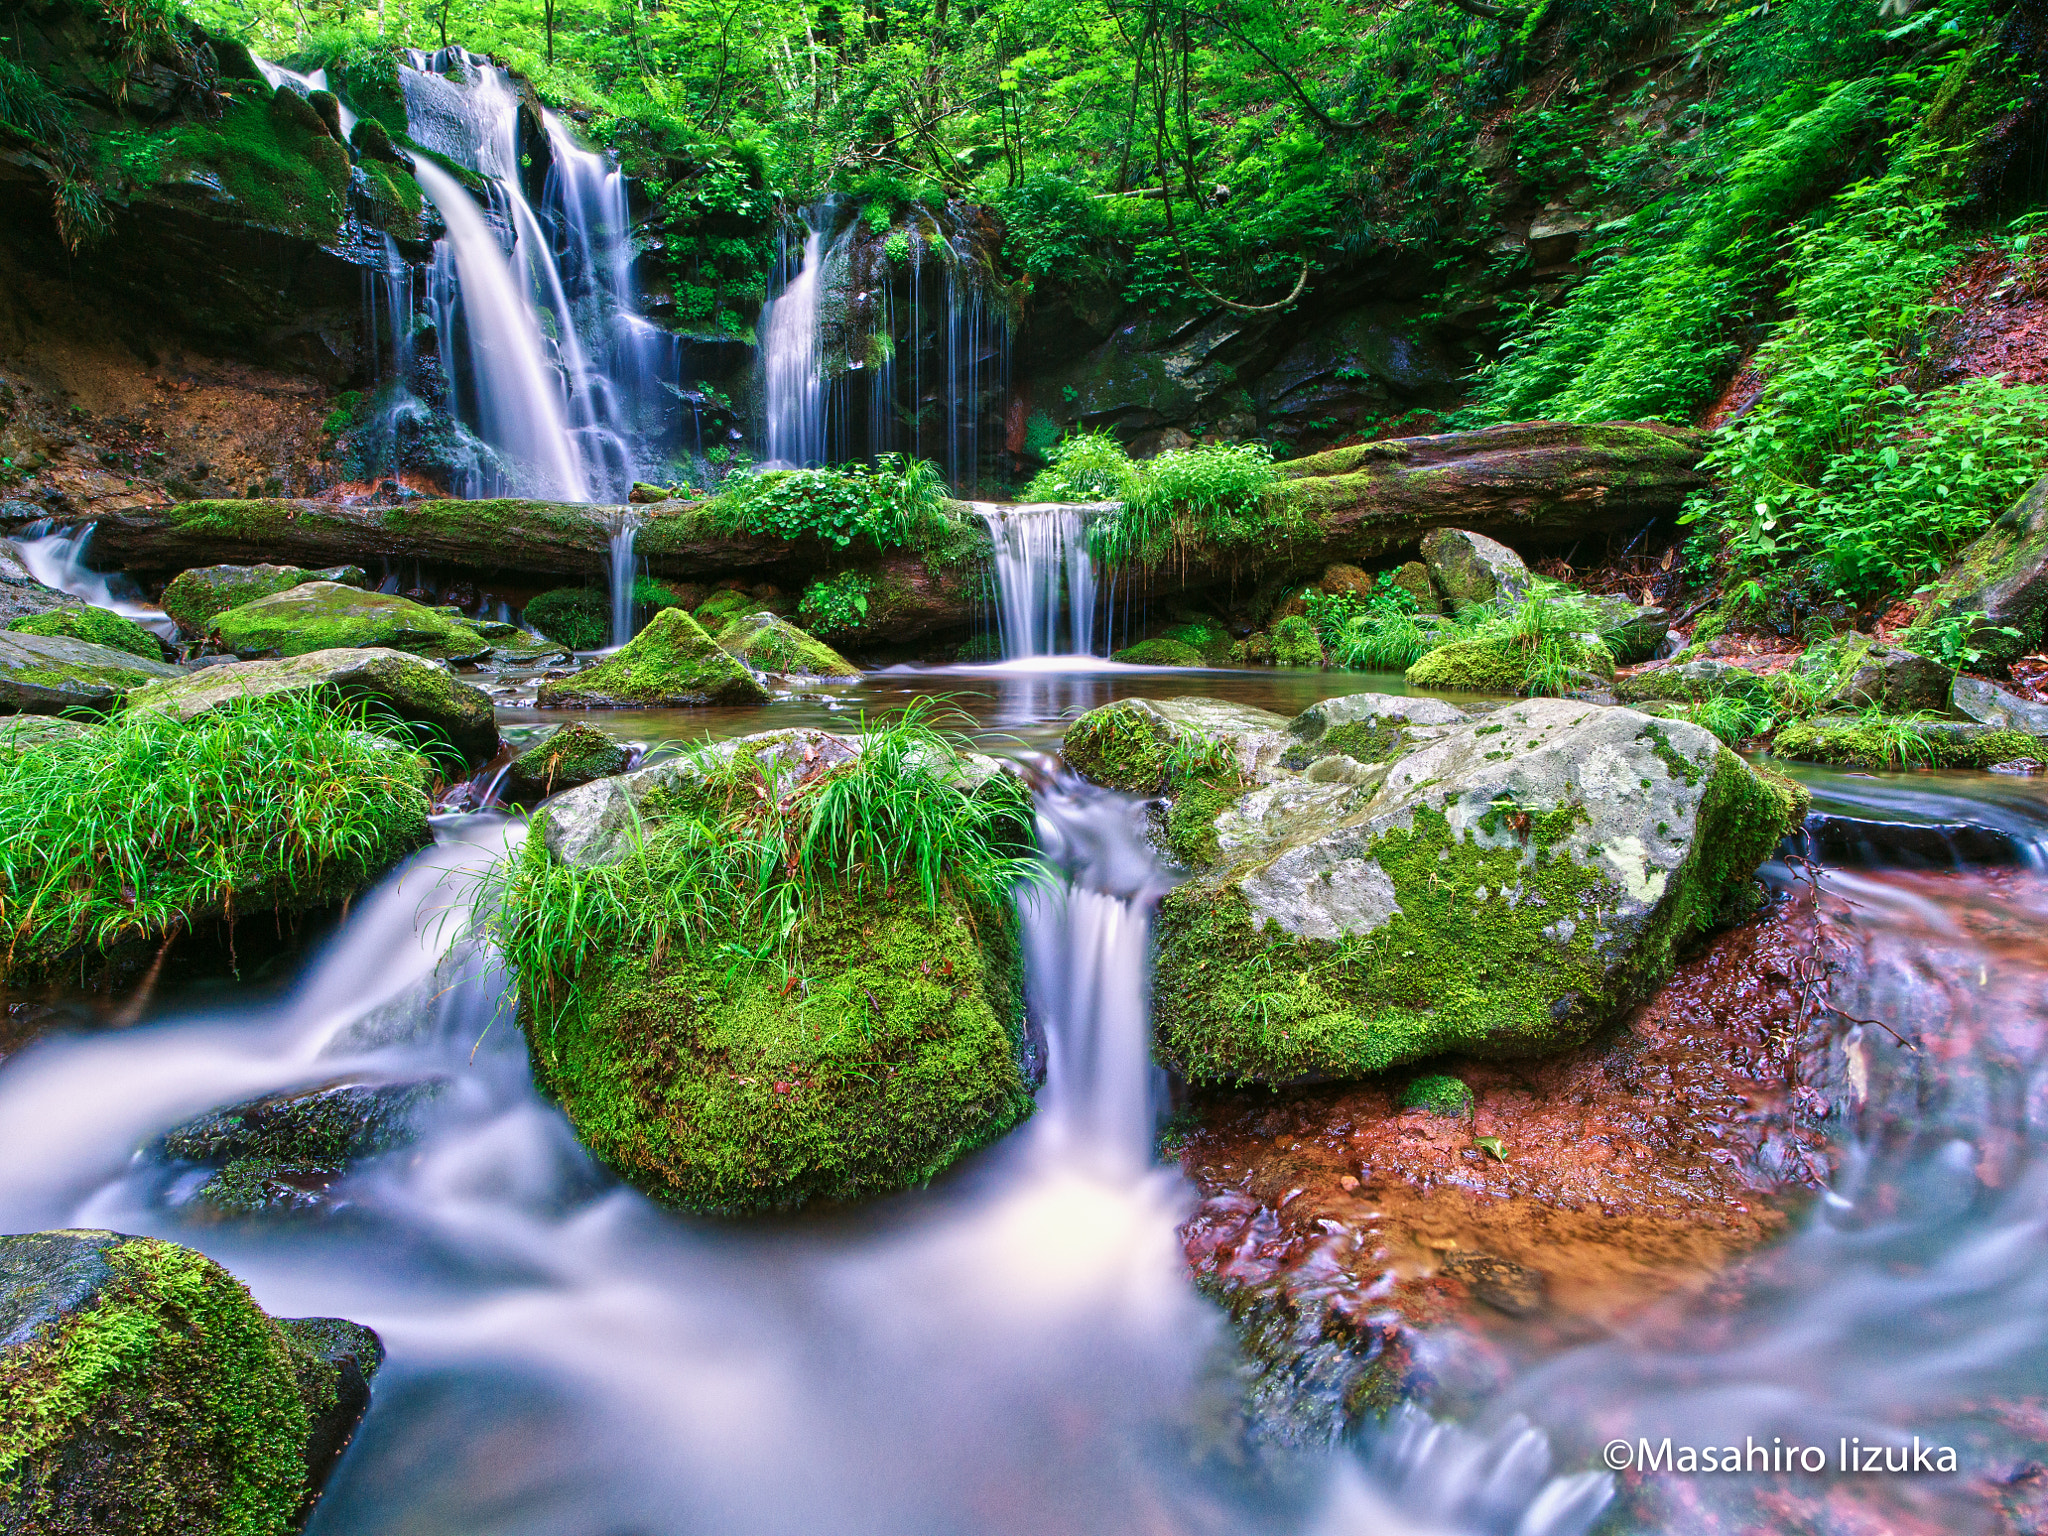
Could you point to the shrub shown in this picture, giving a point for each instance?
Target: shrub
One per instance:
(1084, 466)
(578, 617)
(898, 504)
(836, 605)
(1215, 499)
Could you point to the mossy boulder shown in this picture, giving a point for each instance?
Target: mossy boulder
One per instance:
(143, 1390)
(578, 617)
(388, 681)
(770, 644)
(1633, 632)
(1413, 578)
(1362, 729)
(195, 597)
(1883, 742)
(1499, 666)
(568, 758)
(1504, 889)
(1140, 745)
(671, 664)
(20, 732)
(48, 674)
(281, 1152)
(1159, 653)
(892, 1049)
(326, 616)
(1470, 569)
(2002, 578)
(1689, 682)
(1440, 1094)
(101, 626)
(728, 603)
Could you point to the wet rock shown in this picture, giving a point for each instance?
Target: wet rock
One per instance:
(100, 626)
(194, 597)
(1470, 569)
(1988, 704)
(21, 595)
(1899, 681)
(325, 615)
(1501, 890)
(771, 644)
(48, 674)
(1514, 1289)
(670, 664)
(1132, 745)
(747, 1087)
(281, 1152)
(569, 757)
(1862, 843)
(185, 1401)
(1366, 728)
(412, 689)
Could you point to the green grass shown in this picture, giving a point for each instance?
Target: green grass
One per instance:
(147, 825)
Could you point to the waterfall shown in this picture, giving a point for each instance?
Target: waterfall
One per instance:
(57, 559)
(793, 364)
(623, 534)
(1043, 568)
(280, 78)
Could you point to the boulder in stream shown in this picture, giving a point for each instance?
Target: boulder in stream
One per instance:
(1988, 704)
(143, 1389)
(771, 644)
(21, 594)
(194, 597)
(1471, 569)
(412, 689)
(569, 757)
(101, 626)
(724, 1064)
(1496, 885)
(325, 616)
(48, 674)
(670, 664)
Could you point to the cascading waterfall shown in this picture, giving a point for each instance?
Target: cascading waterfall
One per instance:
(281, 78)
(1044, 571)
(623, 534)
(56, 558)
(792, 361)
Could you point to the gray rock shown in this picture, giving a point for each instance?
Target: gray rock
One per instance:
(1469, 568)
(47, 674)
(1989, 704)
(1687, 682)
(1899, 680)
(18, 732)
(21, 595)
(413, 689)
(1364, 728)
(1097, 746)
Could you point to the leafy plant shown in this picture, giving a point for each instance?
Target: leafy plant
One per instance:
(1953, 641)
(1084, 466)
(836, 605)
(897, 504)
(1216, 498)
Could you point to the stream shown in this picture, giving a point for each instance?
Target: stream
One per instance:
(1018, 1348)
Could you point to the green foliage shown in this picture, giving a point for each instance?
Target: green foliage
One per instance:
(1955, 641)
(578, 617)
(836, 605)
(148, 824)
(898, 504)
(1377, 633)
(1295, 643)
(1216, 499)
(1084, 466)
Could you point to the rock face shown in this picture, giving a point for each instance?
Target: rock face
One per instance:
(100, 626)
(670, 664)
(325, 616)
(2002, 574)
(771, 644)
(47, 674)
(1898, 680)
(724, 1087)
(1497, 886)
(1471, 569)
(1989, 704)
(194, 597)
(280, 1153)
(570, 757)
(408, 687)
(141, 1389)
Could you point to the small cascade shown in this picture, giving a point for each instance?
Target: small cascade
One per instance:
(1044, 571)
(56, 558)
(793, 364)
(281, 78)
(623, 534)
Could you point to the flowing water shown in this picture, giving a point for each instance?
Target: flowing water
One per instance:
(793, 376)
(56, 558)
(1045, 577)
(1017, 1348)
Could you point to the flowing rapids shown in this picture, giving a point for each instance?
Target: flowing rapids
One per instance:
(1017, 1349)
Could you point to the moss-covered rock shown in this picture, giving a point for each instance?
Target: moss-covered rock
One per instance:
(1295, 643)
(325, 616)
(770, 644)
(194, 597)
(143, 1390)
(1140, 745)
(2002, 576)
(1893, 741)
(1503, 890)
(672, 663)
(1499, 666)
(100, 626)
(570, 757)
(21, 594)
(48, 674)
(1159, 653)
(727, 604)
(1689, 682)
(20, 732)
(578, 617)
(1440, 1094)
(388, 681)
(1365, 728)
(1470, 569)
(1413, 578)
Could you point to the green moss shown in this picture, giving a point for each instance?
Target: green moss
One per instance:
(1477, 666)
(1448, 971)
(1119, 749)
(97, 625)
(171, 1404)
(325, 615)
(573, 755)
(578, 617)
(1882, 742)
(1675, 762)
(888, 1055)
(722, 607)
(1670, 685)
(1295, 643)
(195, 596)
(1190, 826)
(1159, 653)
(275, 158)
(770, 644)
(671, 663)
(1379, 740)
(1440, 1095)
